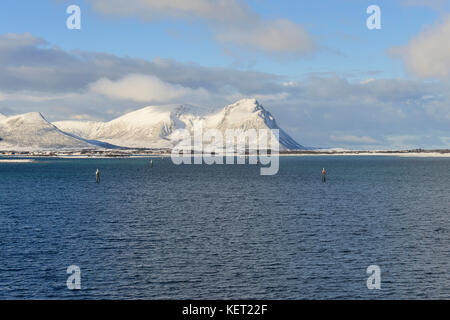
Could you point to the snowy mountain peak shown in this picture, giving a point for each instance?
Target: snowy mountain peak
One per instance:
(246, 105)
(32, 131)
(28, 119)
(145, 116)
(247, 108)
(37, 116)
(245, 114)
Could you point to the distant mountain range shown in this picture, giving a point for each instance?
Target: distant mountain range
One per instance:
(149, 127)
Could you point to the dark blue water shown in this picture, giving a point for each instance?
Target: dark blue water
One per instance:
(222, 232)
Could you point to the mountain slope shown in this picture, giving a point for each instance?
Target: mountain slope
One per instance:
(144, 128)
(159, 126)
(32, 131)
(250, 114)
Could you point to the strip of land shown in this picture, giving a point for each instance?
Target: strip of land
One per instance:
(113, 153)
(15, 160)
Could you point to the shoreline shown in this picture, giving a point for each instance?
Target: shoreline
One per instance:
(380, 154)
(6, 156)
(16, 160)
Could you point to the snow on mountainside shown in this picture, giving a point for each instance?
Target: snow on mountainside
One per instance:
(32, 131)
(144, 128)
(159, 126)
(249, 114)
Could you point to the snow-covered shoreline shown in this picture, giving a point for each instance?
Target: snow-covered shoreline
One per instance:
(16, 160)
(27, 157)
(385, 154)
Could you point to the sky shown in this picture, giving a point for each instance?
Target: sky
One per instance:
(328, 79)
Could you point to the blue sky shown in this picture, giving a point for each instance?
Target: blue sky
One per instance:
(299, 58)
(340, 27)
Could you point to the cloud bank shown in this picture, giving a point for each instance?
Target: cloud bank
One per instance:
(142, 88)
(323, 110)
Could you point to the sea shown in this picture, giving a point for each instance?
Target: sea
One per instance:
(224, 231)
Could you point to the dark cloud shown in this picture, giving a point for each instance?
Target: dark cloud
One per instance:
(29, 63)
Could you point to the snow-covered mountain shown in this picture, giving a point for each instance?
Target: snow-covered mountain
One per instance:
(32, 131)
(159, 126)
(249, 114)
(149, 127)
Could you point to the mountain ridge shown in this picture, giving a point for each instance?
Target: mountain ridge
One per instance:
(150, 127)
(159, 126)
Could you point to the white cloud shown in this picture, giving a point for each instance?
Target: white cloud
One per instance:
(224, 11)
(446, 141)
(144, 88)
(404, 141)
(233, 22)
(428, 54)
(351, 139)
(292, 84)
(17, 41)
(33, 96)
(278, 36)
(81, 117)
(367, 81)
